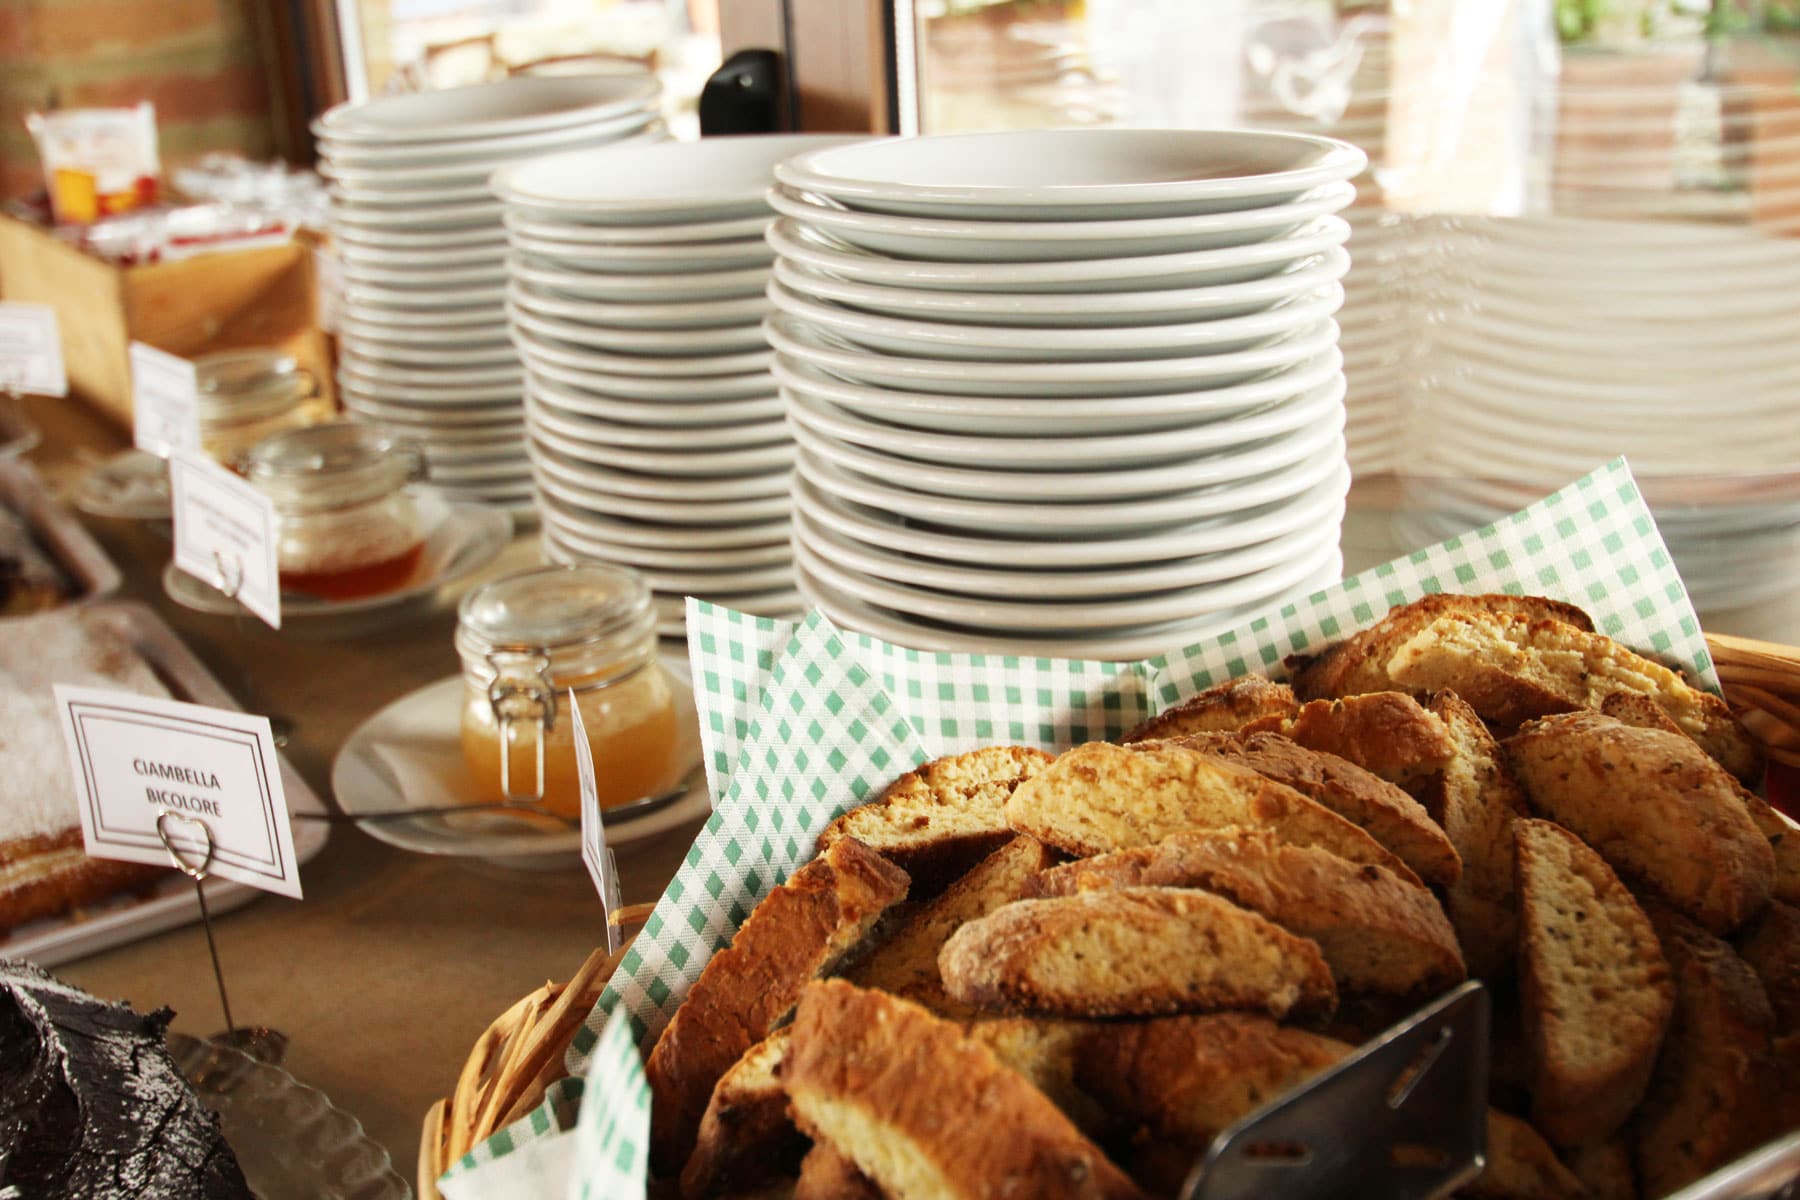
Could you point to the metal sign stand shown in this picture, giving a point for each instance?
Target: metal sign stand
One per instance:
(229, 581)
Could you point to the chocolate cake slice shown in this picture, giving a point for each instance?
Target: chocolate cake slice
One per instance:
(92, 1105)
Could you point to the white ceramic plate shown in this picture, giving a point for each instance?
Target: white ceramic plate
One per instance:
(420, 257)
(642, 121)
(758, 459)
(1056, 241)
(536, 350)
(1151, 306)
(667, 414)
(456, 214)
(1047, 416)
(673, 343)
(632, 532)
(714, 178)
(459, 321)
(699, 512)
(1174, 450)
(1197, 268)
(531, 223)
(128, 917)
(426, 300)
(421, 731)
(677, 390)
(546, 416)
(460, 540)
(723, 558)
(393, 349)
(988, 343)
(1273, 507)
(626, 289)
(1040, 379)
(380, 371)
(582, 480)
(692, 314)
(1060, 175)
(427, 276)
(522, 104)
(506, 415)
(672, 258)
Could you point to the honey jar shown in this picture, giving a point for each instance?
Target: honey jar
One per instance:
(245, 396)
(529, 641)
(347, 527)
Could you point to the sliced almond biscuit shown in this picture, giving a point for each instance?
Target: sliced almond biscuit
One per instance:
(1223, 708)
(1359, 663)
(1135, 952)
(1593, 984)
(826, 1174)
(907, 963)
(1711, 1095)
(1784, 840)
(1099, 797)
(1377, 933)
(1521, 1166)
(802, 929)
(1604, 1168)
(1392, 817)
(1046, 1052)
(1656, 808)
(941, 818)
(1512, 669)
(1771, 945)
(1388, 734)
(745, 1135)
(923, 1109)
(1192, 1077)
(1476, 799)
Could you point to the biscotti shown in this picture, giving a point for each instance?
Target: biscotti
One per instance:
(907, 963)
(799, 931)
(1390, 816)
(1521, 1166)
(1100, 797)
(1655, 806)
(1594, 987)
(1772, 948)
(826, 1174)
(1714, 1087)
(1377, 933)
(941, 818)
(1386, 733)
(1358, 664)
(1134, 952)
(1236, 704)
(924, 1110)
(1476, 799)
(745, 1135)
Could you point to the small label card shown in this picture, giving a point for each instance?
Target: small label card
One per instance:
(225, 533)
(165, 405)
(137, 759)
(602, 867)
(31, 357)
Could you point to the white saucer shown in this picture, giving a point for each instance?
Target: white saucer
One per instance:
(463, 538)
(422, 731)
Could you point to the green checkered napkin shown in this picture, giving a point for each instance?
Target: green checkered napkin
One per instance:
(802, 721)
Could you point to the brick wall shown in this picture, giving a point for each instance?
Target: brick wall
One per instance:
(199, 61)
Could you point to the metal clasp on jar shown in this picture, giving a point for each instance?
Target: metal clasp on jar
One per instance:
(520, 692)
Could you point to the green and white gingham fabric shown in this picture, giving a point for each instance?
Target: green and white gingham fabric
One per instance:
(612, 1135)
(802, 721)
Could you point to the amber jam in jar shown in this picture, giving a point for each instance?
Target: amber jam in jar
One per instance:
(346, 525)
(526, 642)
(245, 396)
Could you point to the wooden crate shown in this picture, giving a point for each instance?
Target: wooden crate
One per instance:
(231, 300)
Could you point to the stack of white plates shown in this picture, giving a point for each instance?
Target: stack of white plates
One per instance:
(423, 323)
(1071, 392)
(1559, 343)
(636, 299)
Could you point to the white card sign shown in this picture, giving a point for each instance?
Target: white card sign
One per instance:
(31, 357)
(225, 533)
(602, 867)
(139, 758)
(165, 403)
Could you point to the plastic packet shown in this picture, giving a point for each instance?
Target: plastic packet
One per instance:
(98, 162)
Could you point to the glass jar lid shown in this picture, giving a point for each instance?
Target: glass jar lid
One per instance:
(333, 465)
(585, 623)
(247, 385)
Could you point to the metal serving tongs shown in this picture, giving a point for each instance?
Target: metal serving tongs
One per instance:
(1772, 1173)
(1404, 1118)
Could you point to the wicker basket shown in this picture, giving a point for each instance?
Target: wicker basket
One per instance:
(521, 1054)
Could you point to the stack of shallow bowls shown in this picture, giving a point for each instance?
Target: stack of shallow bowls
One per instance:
(422, 328)
(1558, 343)
(636, 299)
(1070, 392)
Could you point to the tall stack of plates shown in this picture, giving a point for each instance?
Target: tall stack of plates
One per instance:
(1071, 392)
(1559, 343)
(636, 299)
(423, 322)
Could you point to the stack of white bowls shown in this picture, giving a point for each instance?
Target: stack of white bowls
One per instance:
(636, 299)
(1558, 343)
(422, 328)
(1063, 392)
